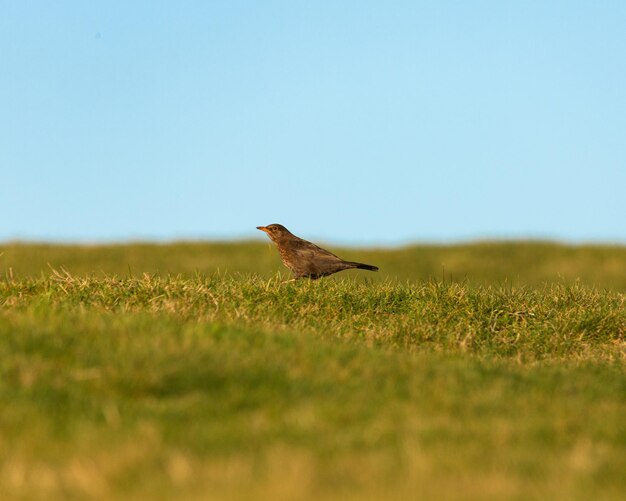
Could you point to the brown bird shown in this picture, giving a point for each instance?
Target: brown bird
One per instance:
(307, 260)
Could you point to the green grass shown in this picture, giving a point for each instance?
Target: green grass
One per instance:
(143, 373)
(487, 263)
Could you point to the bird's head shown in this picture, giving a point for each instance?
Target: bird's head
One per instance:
(275, 231)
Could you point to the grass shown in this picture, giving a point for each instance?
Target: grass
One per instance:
(170, 379)
(486, 263)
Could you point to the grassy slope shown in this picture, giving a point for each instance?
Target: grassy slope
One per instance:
(238, 386)
(511, 263)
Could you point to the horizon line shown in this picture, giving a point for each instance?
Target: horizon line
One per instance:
(452, 241)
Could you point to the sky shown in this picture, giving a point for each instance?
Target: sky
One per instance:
(355, 122)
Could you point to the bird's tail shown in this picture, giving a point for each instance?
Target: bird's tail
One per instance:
(363, 266)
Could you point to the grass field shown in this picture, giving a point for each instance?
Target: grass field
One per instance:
(478, 371)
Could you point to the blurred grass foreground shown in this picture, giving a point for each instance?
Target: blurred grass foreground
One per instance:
(478, 371)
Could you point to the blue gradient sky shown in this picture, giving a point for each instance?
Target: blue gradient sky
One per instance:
(354, 122)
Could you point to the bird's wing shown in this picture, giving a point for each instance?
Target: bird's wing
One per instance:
(308, 260)
(308, 249)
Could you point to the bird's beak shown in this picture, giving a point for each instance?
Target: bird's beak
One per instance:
(262, 228)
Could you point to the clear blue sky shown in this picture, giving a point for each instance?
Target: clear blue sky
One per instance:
(355, 122)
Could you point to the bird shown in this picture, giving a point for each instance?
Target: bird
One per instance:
(305, 259)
